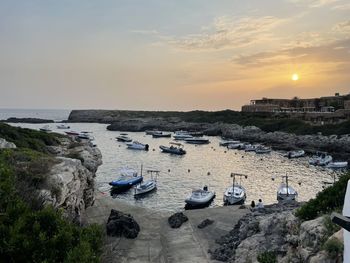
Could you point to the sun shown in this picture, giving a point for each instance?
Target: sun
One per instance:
(295, 77)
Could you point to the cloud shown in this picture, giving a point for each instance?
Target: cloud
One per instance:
(227, 32)
(145, 32)
(314, 3)
(342, 27)
(338, 52)
(342, 7)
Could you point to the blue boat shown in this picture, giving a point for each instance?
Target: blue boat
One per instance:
(127, 179)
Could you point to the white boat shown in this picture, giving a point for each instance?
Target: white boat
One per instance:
(45, 128)
(63, 127)
(160, 134)
(337, 165)
(178, 149)
(151, 132)
(135, 145)
(285, 192)
(226, 143)
(251, 148)
(182, 135)
(148, 185)
(320, 159)
(235, 194)
(85, 136)
(196, 140)
(200, 197)
(295, 154)
(262, 149)
(236, 146)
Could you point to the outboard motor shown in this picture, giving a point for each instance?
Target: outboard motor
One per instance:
(146, 147)
(205, 188)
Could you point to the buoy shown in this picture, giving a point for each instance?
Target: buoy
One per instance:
(188, 170)
(153, 149)
(242, 156)
(208, 173)
(168, 170)
(224, 151)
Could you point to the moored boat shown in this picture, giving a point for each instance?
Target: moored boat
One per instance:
(195, 140)
(321, 159)
(285, 192)
(200, 197)
(128, 178)
(123, 138)
(250, 148)
(182, 135)
(235, 194)
(72, 133)
(63, 127)
(135, 145)
(238, 146)
(147, 186)
(295, 154)
(178, 149)
(226, 143)
(337, 165)
(45, 128)
(262, 149)
(160, 134)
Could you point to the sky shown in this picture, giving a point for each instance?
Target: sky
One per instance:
(170, 54)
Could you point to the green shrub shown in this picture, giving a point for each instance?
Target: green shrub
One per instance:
(330, 199)
(267, 257)
(334, 248)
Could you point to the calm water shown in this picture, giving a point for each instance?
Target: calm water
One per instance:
(180, 174)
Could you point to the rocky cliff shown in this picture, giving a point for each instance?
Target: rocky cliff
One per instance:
(276, 232)
(70, 182)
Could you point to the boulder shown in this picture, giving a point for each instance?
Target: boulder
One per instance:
(177, 219)
(205, 223)
(6, 145)
(119, 224)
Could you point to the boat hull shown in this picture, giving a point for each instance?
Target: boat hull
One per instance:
(172, 151)
(191, 202)
(127, 182)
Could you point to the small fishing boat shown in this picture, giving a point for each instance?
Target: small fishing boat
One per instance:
(135, 145)
(148, 185)
(182, 135)
(160, 134)
(200, 197)
(295, 154)
(128, 178)
(236, 146)
(226, 143)
(285, 192)
(45, 128)
(151, 132)
(63, 127)
(250, 148)
(321, 159)
(178, 149)
(196, 133)
(72, 133)
(85, 136)
(262, 149)
(337, 165)
(197, 140)
(123, 138)
(235, 194)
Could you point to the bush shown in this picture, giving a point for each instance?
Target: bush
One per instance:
(330, 199)
(267, 257)
(334, 248)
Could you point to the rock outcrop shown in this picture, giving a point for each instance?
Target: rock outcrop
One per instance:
(275, 230)
(6, 145)
(70, 182)
(27, 120)
(176, 220)
(119, 224)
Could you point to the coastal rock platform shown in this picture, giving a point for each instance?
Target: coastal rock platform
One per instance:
(157, 241)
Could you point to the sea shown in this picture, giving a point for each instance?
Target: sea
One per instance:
(209, 165)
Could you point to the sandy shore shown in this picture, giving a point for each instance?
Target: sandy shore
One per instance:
(157, 242)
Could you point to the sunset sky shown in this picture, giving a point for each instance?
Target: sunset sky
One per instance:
(170, 55)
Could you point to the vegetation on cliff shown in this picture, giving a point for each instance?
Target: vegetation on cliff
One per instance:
(30, 232)
(329, 200)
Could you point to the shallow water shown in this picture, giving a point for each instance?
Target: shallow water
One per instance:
(202, 165)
